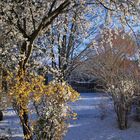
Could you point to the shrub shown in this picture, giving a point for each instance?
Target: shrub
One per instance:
(52, 123)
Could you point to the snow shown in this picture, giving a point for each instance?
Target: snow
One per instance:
(10, 126)
(96, 121)
(89, 125)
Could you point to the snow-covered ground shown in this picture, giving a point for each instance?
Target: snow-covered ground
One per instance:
(91, 126)
(96, 121)
(10, 126)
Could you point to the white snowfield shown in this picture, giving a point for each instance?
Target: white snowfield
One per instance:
(96, 120)
(10, 126)
(91, 126)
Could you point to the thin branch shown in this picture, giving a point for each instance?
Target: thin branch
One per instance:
(33, 20)
(102, 4)
(47, 20)
(51, 8)
(70, 43)
(18, 26)
(55, 13)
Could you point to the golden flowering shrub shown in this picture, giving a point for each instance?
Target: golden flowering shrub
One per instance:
(63, 90)
(26, 88)
(54, 112)
(33, 87)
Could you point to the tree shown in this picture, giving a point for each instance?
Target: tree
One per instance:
(25, 22)
(18, 18)
(113, 66)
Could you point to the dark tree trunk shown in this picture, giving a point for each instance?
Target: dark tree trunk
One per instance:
(122, 115)
(25, 126)
(1, 115)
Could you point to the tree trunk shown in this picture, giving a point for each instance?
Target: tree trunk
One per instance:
(122, 114)
(25, 126)
(1, 115)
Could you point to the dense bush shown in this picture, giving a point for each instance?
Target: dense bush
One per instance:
(51, 102)
(52, 122)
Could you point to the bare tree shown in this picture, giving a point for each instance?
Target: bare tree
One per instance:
(113, 66)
